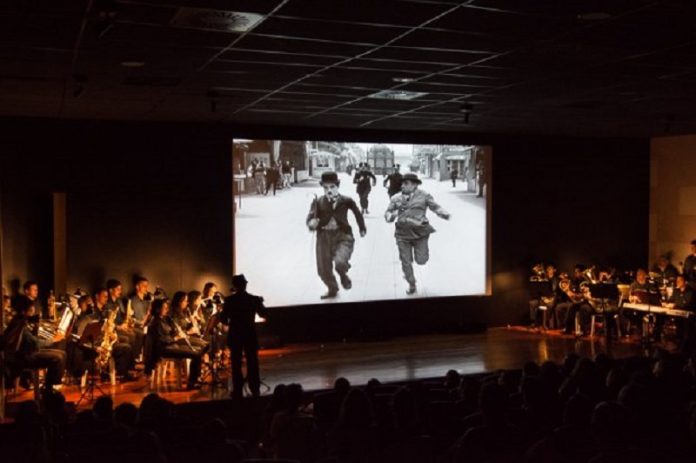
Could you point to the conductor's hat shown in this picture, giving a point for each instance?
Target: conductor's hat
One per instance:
(239, 280)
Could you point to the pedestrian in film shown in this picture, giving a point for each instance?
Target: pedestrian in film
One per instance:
(412, 228)
(328, 216)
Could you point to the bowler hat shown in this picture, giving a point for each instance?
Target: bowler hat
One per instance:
(329, 177)
(411, 177)
(239, 280)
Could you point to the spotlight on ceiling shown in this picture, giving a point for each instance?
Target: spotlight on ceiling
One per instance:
(403, 80)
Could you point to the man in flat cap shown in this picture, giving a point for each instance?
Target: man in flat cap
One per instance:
(412, 228)
(239, 314)
(328, 215)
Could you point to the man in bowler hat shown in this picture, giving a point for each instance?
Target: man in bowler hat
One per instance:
(328, 216)
(239, 314)
(412, 228)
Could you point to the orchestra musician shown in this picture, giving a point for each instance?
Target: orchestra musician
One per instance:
(127, 334)
(239, 314)
(122, 352)
(140, 300)
(682, 298)
(664, 271)
(168, 340)
(639, 293)
(24, 349)
(182, 317)
(30, 290)
(577, 292)
(549, 275)
(689, 270)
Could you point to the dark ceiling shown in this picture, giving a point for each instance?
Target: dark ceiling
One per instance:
(586, 67)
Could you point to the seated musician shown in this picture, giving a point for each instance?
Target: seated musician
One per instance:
(690, 266)
(24, 349)
(683, 299)
(183, 318)
(166, 340)
(140, 300)
(196, 307)
(639, 293)
(122, 352)
(664, 271)
(579, 304)
(30, 290)
(127, 334)
(549, 275)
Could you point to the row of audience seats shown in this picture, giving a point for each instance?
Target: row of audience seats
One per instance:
(583, 410)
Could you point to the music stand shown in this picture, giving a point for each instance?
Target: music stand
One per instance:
(91, 333)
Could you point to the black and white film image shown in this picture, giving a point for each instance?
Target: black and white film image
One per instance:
(318, 222)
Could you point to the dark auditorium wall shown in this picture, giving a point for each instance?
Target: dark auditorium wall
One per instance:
(140, 200)
(154, 198)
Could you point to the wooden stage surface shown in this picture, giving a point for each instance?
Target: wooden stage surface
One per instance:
(316, 366)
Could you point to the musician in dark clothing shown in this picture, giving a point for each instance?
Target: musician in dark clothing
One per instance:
(122, 352)
(365, 180)
(664, 271)
(127, 334)
(23, 347)
(30, 290)
(537, 301)
(690, 266)
(328, 215)
(578, 298)
(239, 315)
(394, 181)
(167, 340)
(682, 298)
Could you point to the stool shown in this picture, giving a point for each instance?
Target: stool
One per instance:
(159, 374)
(606, 316)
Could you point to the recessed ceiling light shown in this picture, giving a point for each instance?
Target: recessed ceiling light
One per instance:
(403, 80)
(594, 16)
(396, 95)
(132, 64)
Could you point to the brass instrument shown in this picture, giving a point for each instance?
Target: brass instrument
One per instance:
(51, 306)
(108, 340)
(130, 317)
(589, 274)
(539, 273)
(565, 285)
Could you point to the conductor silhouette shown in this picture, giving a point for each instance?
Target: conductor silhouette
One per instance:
(239, 314)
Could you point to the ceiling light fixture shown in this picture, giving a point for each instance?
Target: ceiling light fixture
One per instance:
(132, 64)
(466, 109)
(594, 16)
(403, 80)
(396, 95)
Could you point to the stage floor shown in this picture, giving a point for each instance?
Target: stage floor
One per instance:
(316, 366)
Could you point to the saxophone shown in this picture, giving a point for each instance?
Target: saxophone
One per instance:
(130, 317)
(108, 340)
